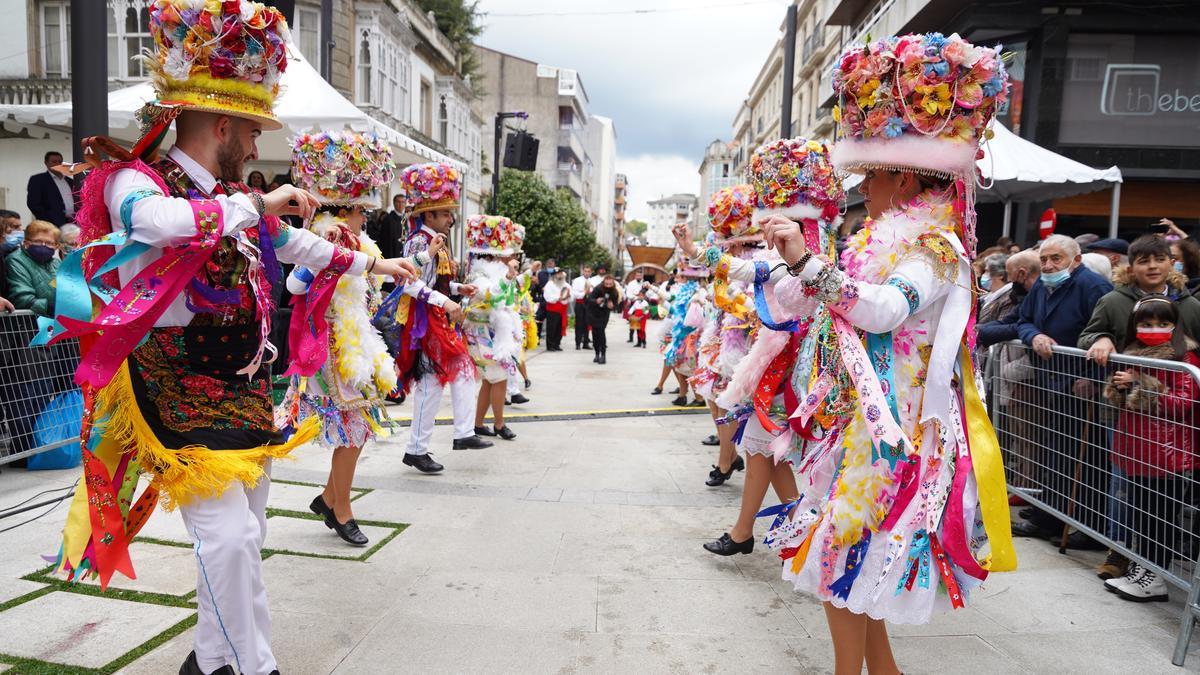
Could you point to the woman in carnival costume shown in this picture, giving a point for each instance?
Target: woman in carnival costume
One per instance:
(495, 332)
(903, 507)
(790, 178)
(345, 171)
(731, 324)
(526, 309)
(170, 296)
(681, 333)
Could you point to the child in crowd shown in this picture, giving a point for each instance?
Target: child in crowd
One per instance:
(1155, 442)
(637, 313)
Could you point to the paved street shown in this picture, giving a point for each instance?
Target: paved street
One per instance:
(574, 549)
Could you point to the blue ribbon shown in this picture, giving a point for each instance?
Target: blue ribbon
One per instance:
(919, 556)
(882, 355)
(854, 559)
(762, 274)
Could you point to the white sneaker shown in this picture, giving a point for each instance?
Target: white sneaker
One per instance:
(1148, 588)
(1132, 575)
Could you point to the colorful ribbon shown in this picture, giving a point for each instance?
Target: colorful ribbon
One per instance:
(308, 333)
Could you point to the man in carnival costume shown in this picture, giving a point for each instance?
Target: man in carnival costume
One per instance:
(494, 327)
(903, 505)
(345, 390)
(170, 297)
(432, 350)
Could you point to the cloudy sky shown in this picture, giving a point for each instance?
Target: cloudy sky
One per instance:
(671, 80)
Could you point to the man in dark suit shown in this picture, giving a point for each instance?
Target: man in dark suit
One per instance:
(391, 229)
(50, 196)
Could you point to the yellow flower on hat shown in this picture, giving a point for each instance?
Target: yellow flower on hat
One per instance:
(936, 99)
(869, 93)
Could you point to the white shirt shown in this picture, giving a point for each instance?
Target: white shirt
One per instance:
(633, 288)
(163, 221)
(64, 189)
(580, 287)
(553, 290)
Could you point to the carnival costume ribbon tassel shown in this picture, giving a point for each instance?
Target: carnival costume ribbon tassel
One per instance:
(854, 559)
(308, 333)
(123, 323)
(109, 541)
(989, 475)
(917, 564)
(946, 572)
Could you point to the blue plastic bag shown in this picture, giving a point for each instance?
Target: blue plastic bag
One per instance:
(61, 420)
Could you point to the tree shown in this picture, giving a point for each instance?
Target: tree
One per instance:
(636, 227)
(556, 226)
(458, 20)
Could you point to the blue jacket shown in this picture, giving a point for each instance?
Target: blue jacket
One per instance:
(1064, 313)
(1000, 330)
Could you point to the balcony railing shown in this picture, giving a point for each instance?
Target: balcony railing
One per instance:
(569, 178)
(26, 91)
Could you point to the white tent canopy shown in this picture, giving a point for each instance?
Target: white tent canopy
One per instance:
(1017, 170)
(306, 102)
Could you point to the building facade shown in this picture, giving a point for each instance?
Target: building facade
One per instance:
(665, 213)
(620, 199)
(557, 107)
(602, 148)
(716, 171)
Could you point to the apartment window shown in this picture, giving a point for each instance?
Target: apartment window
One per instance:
(566, 117)
(364, 69)
(443, 123)
(307, 29)
(128, 34)
(56, 39)
(426, 108)
(725, 170)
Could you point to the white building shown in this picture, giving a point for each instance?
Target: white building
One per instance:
(602, 149)
(665, 213)
(716, 172)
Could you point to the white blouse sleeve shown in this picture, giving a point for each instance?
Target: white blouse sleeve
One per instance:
(153, 218)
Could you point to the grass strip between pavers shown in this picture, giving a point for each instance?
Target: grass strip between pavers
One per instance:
(26, 666)
(358, 492)
(46, 576)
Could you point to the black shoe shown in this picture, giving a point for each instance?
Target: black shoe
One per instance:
(577, 347)
(711, 440)
(319, 507)
(1027, 513)
(470, 443)
(1027, 529)
(674, 391)
(528, 384)
(656, 391)
(519, 398)
(587, 345)
(630, 339)
(603, 359)
(596, 359)
(716, 477)
(739, 464)
(1080, 542)
(698, 403)
(680, 401)
(423, 463)
(506, 433)
(192, 667)
(483, 431)
(727, 546)
(350, 533)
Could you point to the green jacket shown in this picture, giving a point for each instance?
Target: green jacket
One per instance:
(1111, 316)
(30, 283)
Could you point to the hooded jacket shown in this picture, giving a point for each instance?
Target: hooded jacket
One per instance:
(1155, 434)
(1111, 317)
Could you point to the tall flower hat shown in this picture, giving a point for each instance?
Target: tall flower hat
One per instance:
(222, 56)
(729, 214)
(492, 235)
(518, 236)
(431, 187)
(916, 102)
(793, 177)
(342, 168)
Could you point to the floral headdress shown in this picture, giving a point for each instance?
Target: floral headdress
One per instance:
(342, 168)
(223, 56)
(518, 236)
(431, 187)
(793, 177)
(916, 102)
(729, 215)
(492, 235)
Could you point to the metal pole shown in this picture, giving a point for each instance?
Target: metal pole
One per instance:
(496, 160)
(327, 40)
(1114, 214)
(89, 74)
(789, 71)
(1007, 218)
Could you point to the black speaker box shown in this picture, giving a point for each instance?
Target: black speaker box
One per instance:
(520, 151)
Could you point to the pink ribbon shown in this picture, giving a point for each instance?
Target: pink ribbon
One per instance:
(122, 323)
(309, 347)
(881, 424)
(953, 531)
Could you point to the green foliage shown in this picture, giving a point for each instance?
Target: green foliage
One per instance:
(556, 226)
(636, 227)
(458, 20)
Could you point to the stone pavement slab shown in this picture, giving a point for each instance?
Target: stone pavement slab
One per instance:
(82, 630)
(335, 588)
(302, 535)
(160, 569)
(537, 602)
(14, 588)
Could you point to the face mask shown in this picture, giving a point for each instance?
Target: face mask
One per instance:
(1178, 267)
(15, 238)
(67, 250)
(1053, 279)
(1152, 337)
(985, 283)
(40, 252)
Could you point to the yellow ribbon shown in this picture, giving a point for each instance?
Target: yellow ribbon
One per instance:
(989, 475)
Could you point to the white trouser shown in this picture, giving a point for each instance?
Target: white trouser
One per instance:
(233, 626)
(427, 397)
(514, 386)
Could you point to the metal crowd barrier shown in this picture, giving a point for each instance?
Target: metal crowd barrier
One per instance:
(1113, 464)
(30, 379)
